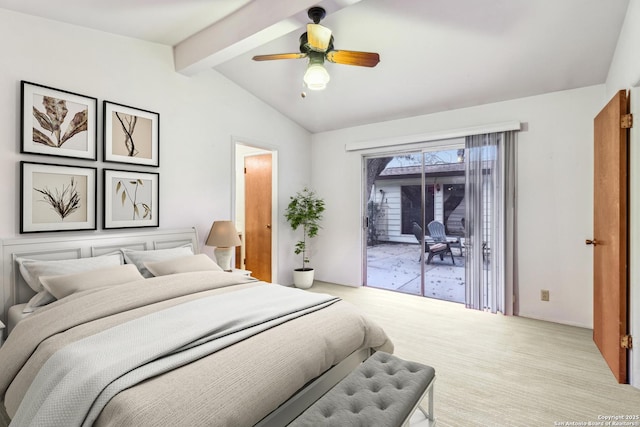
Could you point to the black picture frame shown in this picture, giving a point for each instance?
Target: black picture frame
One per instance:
(131, 135)
(131, 199)
(56, 122)
(57, 197)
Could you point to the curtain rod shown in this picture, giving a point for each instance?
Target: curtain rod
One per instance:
(432, 136)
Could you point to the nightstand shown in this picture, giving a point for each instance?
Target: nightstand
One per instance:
(243, 272)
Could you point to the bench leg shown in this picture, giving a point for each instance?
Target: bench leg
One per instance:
(427, 412)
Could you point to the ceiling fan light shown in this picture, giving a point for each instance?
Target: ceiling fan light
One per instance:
(316, 77)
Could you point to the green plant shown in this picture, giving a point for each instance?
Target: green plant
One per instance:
(305, 210)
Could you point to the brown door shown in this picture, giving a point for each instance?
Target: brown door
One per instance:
(610, 278)
(257, 181)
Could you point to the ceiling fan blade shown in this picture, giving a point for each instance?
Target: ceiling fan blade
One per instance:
(279, 56)
(350, 57)
(319, 37)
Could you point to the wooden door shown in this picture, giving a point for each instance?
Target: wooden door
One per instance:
(257, 181)
(610, 226)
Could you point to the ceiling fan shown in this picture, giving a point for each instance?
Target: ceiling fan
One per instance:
(317, 45)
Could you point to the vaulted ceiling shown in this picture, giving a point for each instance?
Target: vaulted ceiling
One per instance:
(435, 55)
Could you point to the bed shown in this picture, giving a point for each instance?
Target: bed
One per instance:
(251, 366)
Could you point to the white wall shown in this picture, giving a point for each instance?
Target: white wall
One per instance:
(624, 73)
(555, 196)
(198, 116)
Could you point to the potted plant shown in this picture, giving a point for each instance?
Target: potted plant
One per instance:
(305, 210)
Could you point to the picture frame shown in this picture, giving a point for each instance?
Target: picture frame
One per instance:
(131, 199)
(57, 198)
(57, 122)
(131, 135)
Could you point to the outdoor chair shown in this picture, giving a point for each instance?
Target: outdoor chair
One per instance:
(437, 233)
(432, 249)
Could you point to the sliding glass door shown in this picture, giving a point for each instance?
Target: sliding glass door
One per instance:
(415, 208)
(441, 223)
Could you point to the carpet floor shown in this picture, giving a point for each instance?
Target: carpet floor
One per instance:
(494, 370)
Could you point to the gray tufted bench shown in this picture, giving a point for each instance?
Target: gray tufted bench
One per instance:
(384, 391)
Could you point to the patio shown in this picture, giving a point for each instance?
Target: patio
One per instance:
(395, 266)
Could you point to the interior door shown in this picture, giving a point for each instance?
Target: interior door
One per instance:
(258, 172)
(610, 251)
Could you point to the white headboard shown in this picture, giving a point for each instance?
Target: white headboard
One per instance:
(15, 290)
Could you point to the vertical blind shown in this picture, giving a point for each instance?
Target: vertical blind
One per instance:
(489, 225)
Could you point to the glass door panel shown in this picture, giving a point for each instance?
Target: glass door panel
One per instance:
(405, 193)
(393, 200)
(444, 273)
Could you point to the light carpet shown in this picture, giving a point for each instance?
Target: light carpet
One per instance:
(495, 370)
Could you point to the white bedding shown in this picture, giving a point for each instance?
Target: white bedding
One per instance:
(16, 314)
(83, 376)
(238, 385)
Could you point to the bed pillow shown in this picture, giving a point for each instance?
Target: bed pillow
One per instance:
(32, 269)
(38, 300)
(200, 262)
(65, 285)
(140, 257)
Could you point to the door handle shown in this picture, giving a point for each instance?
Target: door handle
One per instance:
(593, 242)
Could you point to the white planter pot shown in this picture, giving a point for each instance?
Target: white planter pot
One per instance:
(303, 278)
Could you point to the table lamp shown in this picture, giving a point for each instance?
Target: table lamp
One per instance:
(224, 237)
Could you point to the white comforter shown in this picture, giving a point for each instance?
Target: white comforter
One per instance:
(235, 386)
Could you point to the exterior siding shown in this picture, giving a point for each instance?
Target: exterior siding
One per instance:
(388, 225)
(387, 196)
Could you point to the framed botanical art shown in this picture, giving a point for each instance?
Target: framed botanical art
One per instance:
(131, 135)
(56, 122)
(130, 199)
(57, 198)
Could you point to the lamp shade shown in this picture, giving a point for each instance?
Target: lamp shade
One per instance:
(316, 77)
(223, 234)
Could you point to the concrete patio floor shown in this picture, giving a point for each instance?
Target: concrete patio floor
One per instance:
(395, 266)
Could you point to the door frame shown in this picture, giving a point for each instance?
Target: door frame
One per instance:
(634, 239)
(240, 148)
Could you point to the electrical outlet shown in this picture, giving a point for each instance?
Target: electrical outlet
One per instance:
(544, 295)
